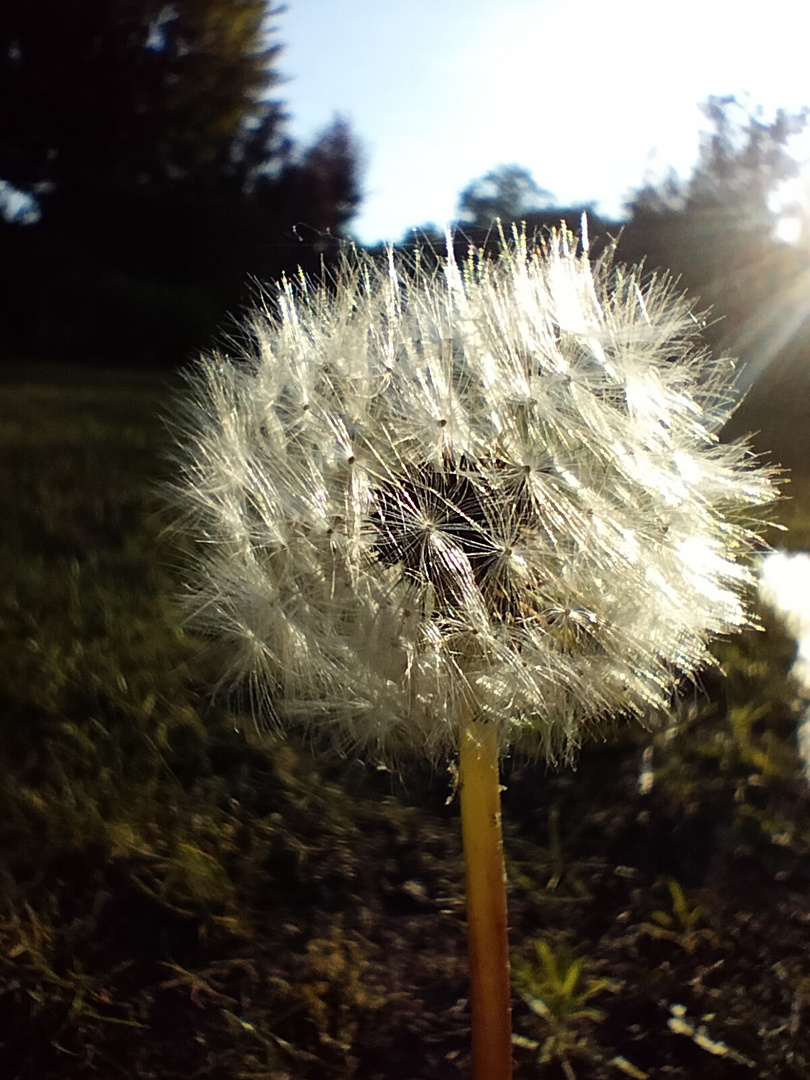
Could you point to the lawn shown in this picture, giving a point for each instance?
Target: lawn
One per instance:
(179, 900)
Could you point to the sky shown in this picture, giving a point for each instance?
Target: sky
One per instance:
(592, 96)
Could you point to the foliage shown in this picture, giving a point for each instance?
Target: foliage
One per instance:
(557, 988)
(130, 93)
(742, 161)
(682, 924)
(507, 193)
(122, 112)
(322, 185)
(717, 232)
(158, 176)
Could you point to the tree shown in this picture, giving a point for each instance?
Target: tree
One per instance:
(741, 163)
(112, 95)
(508, 193)
(318, 191)
(716, 230)
(146, 172)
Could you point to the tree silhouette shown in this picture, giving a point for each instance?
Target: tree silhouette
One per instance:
(112, 95)
(146, 158)
(742, 161)
(717, 230)
(508, 193)
(319, 188)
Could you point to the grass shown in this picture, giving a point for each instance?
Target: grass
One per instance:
(177, 901)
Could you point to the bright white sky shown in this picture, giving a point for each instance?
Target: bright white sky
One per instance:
(590, 95)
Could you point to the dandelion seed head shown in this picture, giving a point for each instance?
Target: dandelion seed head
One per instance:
(495, 489)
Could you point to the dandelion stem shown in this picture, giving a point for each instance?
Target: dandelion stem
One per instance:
(486, 902)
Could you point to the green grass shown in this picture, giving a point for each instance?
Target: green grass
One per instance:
(177, 901)
(92, 668)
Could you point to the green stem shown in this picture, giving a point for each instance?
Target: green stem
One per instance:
(486, 902)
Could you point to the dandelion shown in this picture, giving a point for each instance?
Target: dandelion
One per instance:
(460, 511)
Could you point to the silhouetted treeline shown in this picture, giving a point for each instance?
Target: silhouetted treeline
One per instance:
(147, 179)
(717, 233)
(147, 176)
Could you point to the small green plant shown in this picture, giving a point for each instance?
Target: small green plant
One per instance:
(557, 988)
(761, 750)
(682, 924)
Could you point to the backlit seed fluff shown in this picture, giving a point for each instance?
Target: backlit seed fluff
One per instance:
(494, 488)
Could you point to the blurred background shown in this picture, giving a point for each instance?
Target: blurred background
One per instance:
(177, 901)
(157, 160)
